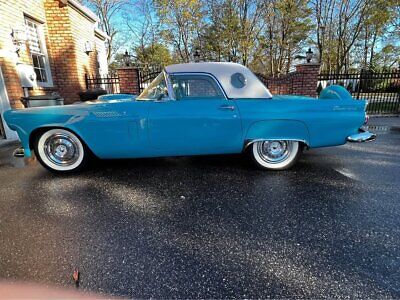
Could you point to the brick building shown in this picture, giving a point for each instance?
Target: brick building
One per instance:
(56, 41)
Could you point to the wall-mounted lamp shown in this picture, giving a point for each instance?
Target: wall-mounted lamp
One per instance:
(88, 47)
(309, 55)
(19, 39)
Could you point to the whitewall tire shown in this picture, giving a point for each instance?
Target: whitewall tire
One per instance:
(60, 150)
(276, 154)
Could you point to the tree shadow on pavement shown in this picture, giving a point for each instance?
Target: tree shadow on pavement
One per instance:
(208, 227)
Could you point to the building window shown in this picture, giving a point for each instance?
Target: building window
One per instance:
(37, 48)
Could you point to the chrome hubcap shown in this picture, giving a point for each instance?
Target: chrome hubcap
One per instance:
(274, 151)
(61, 149)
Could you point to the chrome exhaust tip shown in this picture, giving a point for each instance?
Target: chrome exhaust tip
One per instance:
(19, 152)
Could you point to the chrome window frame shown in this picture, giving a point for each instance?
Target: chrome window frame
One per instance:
(169, 82)
(171, 94)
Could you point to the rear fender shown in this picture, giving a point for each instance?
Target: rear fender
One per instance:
(292, 130)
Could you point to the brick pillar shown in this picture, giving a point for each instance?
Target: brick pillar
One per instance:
(62, 50)
(306, 81)
(128, 80)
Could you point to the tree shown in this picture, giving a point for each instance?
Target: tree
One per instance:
(324, 15)
(107, 11)
(181, 21)
(349, 32)
(154, 54)
(251, 22)
(266, 35)
(142, 25)
(233, 31)
(376, 24)
(219, 38)
(287, 28)
(117, 62)
(387, 58)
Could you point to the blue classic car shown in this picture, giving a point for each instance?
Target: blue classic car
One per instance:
(192, 109)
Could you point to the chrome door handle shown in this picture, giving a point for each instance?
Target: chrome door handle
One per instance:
(227, 107)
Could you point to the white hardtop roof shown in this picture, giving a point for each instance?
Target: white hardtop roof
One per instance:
(223, 71)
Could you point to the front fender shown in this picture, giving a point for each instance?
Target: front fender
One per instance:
(25, 121)
(278, 130)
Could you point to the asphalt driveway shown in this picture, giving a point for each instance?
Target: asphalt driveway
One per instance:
(210, 227)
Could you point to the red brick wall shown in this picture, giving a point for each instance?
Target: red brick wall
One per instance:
(65, 29)
(86, 63)
(128, 80)
(68, 32)
(61, 49)
(303, 81)
(13, 14)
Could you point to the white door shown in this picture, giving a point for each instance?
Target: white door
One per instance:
(5, 132)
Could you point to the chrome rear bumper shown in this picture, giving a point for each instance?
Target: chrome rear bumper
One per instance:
(362, 136)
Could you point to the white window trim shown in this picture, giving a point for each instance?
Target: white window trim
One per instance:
(42, 42)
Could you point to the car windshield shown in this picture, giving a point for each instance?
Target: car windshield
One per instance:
(157, 89)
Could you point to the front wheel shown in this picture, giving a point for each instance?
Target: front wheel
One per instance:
(276, 155)
(60, 151)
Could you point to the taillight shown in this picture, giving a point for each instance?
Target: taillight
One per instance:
(366, 119)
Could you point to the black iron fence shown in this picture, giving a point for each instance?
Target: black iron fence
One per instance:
(147, 75)
(381, 89)
(110, 83)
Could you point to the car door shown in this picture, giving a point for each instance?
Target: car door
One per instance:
(200, 120)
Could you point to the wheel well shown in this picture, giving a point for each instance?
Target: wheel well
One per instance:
(36, 132)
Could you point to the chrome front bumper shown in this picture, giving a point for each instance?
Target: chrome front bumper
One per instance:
(362, 136)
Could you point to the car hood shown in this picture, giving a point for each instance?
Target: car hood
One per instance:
(81, 106)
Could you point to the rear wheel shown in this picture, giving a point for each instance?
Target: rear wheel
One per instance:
(60, 151)
(276, 155)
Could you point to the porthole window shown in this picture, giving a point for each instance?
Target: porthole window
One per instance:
(238, 80)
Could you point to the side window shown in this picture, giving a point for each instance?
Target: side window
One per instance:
(187, 87)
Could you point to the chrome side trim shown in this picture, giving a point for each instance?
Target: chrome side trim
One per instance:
(362, 136)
